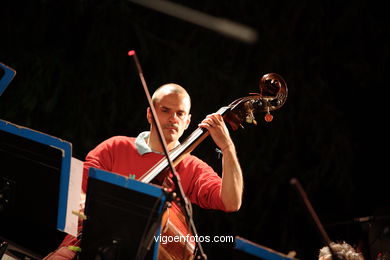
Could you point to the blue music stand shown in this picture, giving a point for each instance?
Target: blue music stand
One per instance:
(6, 76)
(34, 175)
(123, 215)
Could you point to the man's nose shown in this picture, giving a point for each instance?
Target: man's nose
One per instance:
(173, 117)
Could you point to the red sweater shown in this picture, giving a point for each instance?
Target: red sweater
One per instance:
(119, 155)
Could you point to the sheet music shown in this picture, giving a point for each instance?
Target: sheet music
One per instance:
(75, 199)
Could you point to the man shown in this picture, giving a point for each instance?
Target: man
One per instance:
(135, 156)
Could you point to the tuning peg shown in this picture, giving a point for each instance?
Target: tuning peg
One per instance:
(250, 118)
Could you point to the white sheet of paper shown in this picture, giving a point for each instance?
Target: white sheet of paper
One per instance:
(74, 196)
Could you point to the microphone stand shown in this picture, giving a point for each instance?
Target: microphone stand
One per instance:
(297, 185)
(180, 197)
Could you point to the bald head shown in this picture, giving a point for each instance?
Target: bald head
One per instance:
(172, 104)
(171, 88)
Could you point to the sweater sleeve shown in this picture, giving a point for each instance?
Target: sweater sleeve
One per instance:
(203, 185)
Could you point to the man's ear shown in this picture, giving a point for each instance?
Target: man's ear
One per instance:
(149, 115)
(188, 121)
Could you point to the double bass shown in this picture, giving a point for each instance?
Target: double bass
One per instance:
(272, 96)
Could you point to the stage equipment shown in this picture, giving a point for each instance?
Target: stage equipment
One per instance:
(220, 25)
(6, 76)
(32, 165)
(123, 218)
(313, 215)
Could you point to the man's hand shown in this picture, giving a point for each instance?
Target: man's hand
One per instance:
(215, 124)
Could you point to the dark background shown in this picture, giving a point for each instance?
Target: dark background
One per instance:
(75, 81)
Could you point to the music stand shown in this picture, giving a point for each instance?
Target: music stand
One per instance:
(6, 76)
(31, 164)
(123, 215)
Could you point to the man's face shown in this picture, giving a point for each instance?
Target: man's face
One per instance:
(173, 112)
